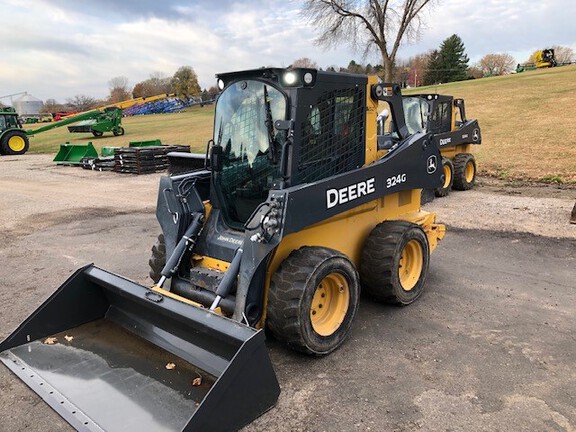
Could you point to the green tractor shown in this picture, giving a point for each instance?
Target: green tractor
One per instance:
(13, 139)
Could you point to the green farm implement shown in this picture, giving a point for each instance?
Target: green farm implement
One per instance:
(14, 139)
(72, 154)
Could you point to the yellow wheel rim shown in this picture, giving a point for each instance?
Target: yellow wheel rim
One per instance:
(410, 266)
(447, 176)
(469, 171)
(330, 304)
(16, 143)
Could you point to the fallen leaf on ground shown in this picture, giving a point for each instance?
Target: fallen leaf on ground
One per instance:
(50, 341)
(197, 381)
(170, 366)
(68, 338)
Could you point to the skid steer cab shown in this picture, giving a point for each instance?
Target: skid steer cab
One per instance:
(294, 209)
(445, 118)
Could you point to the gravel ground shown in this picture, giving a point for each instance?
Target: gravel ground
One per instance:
(489, 346)
(37, 193)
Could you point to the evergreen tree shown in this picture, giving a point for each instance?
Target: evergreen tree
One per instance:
(448, 64)
(433, 69)
(454, 60)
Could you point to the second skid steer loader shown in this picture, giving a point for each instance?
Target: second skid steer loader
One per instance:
(445, 118)
(453, 133)
(295, 208)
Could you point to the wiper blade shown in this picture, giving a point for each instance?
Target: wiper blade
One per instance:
(273, 154)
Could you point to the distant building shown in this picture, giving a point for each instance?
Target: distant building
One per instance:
(27, 105)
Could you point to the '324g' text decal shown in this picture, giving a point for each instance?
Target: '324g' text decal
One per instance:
(395, 180)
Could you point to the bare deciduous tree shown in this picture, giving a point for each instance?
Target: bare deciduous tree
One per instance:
(305, 62)
(158, 83)
(52, 106)
(496, 64)
(417, 66)
(563, 54)
(118, 89)
(474, 72)
(82, 102)
(369, 25)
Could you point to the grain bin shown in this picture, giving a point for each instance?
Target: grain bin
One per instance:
(28, 104)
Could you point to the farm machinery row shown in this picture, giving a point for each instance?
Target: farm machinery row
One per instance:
(14, 139)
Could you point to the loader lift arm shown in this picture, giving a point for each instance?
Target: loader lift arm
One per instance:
(96, 122)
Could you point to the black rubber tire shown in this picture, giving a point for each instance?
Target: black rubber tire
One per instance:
(290, 297)
(445, 190)
(460, 162)
(119, 131)
(5, 147)
(157, 259)
(380, 262)
(97, 133)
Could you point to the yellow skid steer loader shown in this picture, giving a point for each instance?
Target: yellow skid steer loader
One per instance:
(295, 206)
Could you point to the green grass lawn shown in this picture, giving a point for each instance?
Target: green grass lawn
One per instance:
(528, 123)
(193, 127)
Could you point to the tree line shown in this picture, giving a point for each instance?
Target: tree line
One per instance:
(377, 26)
(445, 64)
(382, 26)
(183, 84)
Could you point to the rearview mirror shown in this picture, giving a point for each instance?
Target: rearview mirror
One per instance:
(216, 158)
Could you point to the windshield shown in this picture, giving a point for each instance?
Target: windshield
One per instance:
(415, 113)
(242, 116)
(244, 128)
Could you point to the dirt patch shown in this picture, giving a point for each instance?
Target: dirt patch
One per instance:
(527, 188)
(494, 205)
(37, 193)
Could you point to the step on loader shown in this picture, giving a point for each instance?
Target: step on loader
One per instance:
(293, 209)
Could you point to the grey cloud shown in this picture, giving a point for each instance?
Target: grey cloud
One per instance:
(126, 10)
(28, 41)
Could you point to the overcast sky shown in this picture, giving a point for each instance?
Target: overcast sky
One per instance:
(61, 48)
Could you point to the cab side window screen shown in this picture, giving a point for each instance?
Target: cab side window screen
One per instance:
(332, 135)
(441, 118)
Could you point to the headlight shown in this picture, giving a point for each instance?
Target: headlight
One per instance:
(299, 78)
(290, 78)
(221, 84)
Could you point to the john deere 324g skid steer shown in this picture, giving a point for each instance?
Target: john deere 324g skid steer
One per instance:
(445, 117)
(296, 207)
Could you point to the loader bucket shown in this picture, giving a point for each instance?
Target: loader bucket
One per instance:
(72, 154)
(111, 355)
(151, 143)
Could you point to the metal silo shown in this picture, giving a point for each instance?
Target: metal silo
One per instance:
(28, 104)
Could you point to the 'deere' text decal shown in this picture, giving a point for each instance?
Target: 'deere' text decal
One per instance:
(346, 194)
